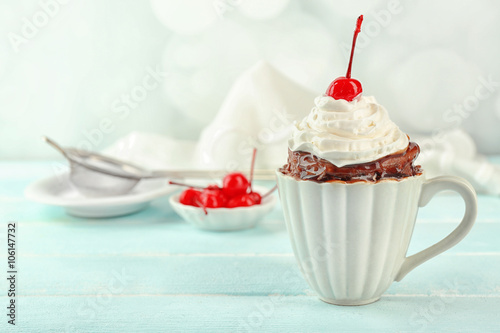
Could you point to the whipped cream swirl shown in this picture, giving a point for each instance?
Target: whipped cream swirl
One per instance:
(346, 133)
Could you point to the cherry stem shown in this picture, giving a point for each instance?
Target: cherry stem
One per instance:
(186, 185)
(270, 191)
(252, 167)
(356, 32)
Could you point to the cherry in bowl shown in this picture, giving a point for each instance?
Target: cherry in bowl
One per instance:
(226, 218)
(237, 204)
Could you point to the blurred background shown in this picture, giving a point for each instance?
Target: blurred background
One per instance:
(69, 68)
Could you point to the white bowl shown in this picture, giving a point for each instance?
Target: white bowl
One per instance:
(225, 219)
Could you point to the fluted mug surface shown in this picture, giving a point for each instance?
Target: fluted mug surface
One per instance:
(350, 239)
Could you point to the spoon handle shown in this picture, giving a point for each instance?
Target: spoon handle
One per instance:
(55, 145)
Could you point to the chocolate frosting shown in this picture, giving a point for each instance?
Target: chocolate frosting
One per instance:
(307, 166)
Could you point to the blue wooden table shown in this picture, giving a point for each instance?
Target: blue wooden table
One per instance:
(151, 272)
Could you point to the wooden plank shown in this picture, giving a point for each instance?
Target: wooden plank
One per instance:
(157, 236)
(116, 313)
(446, 208)
(234, 275)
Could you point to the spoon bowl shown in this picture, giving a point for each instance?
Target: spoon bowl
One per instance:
(96, 175)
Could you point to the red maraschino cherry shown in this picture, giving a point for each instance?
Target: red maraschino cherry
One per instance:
(256, 197)
(213, 197)
(346, 87)
(235, 184)
(190, 197)
(240, 201)
(236, 192)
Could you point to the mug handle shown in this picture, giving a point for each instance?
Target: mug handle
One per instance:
(429, 189)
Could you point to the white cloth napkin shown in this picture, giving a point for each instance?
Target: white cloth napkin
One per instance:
(154, 151)
(258, 112)
(454, 153)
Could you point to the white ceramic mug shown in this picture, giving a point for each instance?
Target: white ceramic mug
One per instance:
(350, 240)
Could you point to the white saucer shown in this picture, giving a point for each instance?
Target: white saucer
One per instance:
(58, 191)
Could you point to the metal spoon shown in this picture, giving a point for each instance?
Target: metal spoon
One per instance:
(97, 175)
